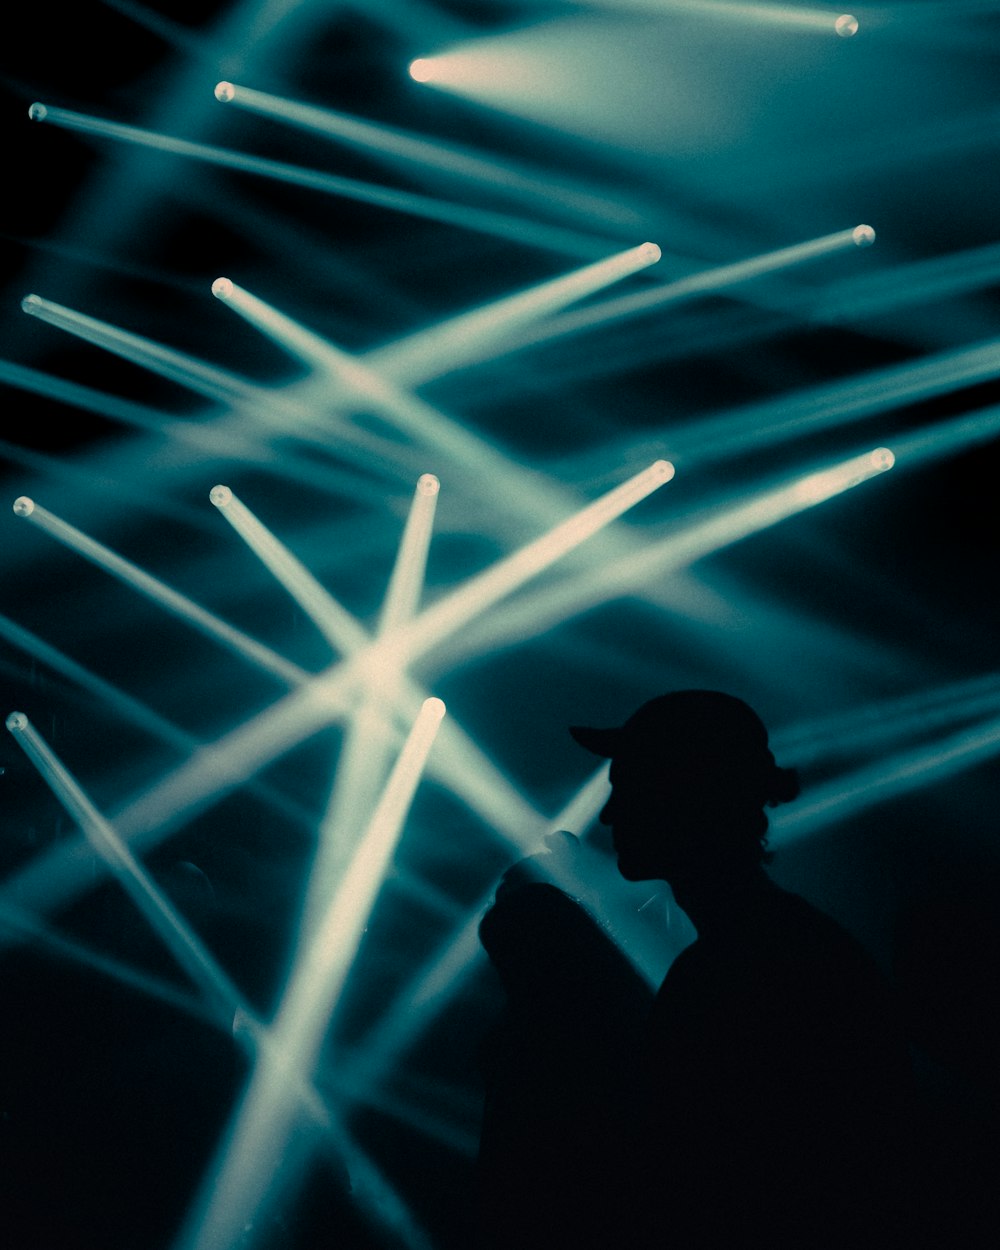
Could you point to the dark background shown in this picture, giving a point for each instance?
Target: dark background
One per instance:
(722, 135)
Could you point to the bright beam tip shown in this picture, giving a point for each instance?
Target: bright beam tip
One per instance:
(428, 484)
(222, 288)
(224, 92)
(846, 25)
(420, 69)
(23, 506)
(38, 112)
(651, 252)
(864, 236)
(221, 496)
(882, 458)
(662, 469)
(17, 722)
(30, 303)
(434, 707)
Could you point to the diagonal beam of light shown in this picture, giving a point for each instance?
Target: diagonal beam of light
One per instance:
(216, 770)
(706, 282)
(646, 567)
(889, 721)
(441, 979)
(803, 413)
(219, 385)
(472, 336)
(31, 930)
(265, 1120)
(234, 640)
(173, 930)
(136, 713)
(406, 148)
(482, 221)
(902, 773)
(459, 762)
(413, 361)
(228, 1007)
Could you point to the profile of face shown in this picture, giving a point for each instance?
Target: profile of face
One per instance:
(654, 824)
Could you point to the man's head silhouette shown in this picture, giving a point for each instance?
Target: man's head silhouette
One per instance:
(691, 774)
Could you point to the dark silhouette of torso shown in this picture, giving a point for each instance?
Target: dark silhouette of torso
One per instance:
(779, 1086)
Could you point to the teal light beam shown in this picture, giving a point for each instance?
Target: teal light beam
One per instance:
(888, 722)
(643, 570)
(902, 773)
(172, 929)
(219, 768)
(365, 752)
(482, 221)
(219, 385)
(792, 18)
(137, 713)
(28, 929)
(458, 762)
(228, 636)
(257, 1138)
(473, 335)
(406, 582)
(410, 361)
(409, 149)
(812, 411)
(705, 282)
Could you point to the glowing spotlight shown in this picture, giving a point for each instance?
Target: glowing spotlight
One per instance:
(422, 69)
(333, 622)
(647, 566)
(179, 605)
(902, 773)
(701, 283)
(163, 917)
(846, 25)
(215, 384)
(816, 487)
(407, 578)
(409, 148)
(485, 221)
(266, 1118)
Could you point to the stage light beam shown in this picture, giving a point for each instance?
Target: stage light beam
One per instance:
(406, 582)
(412, 150)
(459, 341)
(509, 228)
(902, 773)
(218, 385)
(265, 1119)
(647, 566)
(234, 640)
(175, 933)
(704, 282)
(336, 625)
(216, 769)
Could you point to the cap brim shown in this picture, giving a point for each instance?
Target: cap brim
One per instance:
(603, 742)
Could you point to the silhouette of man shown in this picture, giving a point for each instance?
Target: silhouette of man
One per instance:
(778, 1075)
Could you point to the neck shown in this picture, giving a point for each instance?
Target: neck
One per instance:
(711, 900)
